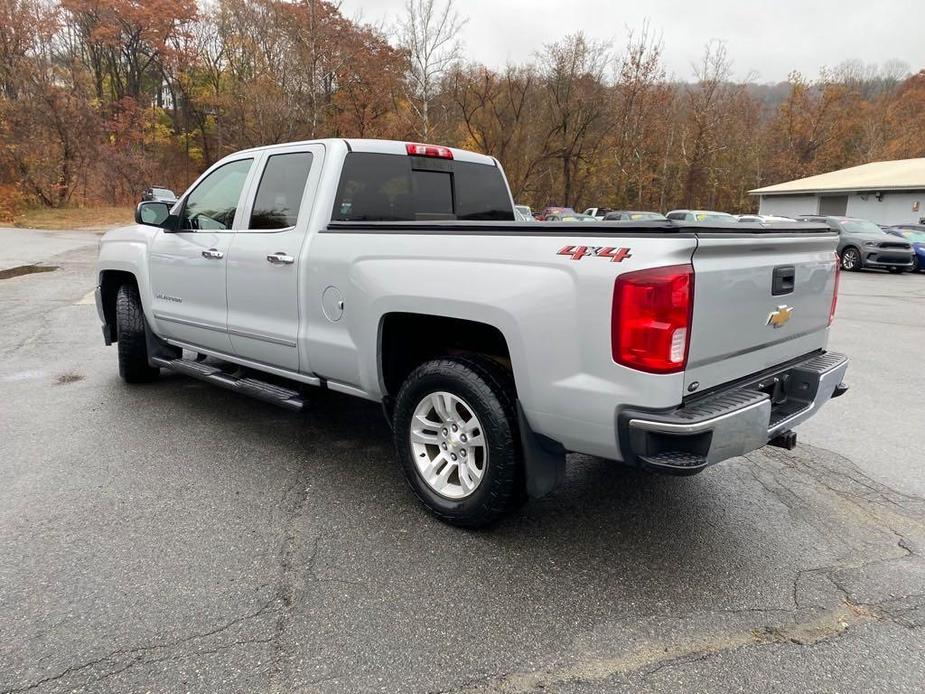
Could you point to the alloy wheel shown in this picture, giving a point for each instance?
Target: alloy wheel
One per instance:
(850, 259)
(448, 444)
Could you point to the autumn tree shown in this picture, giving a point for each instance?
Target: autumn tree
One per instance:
(100, 98)
(428, 32)
(641, 131)
(805, 135)
(905, 120)
(496, 113)
(576, 110)
(46, 123)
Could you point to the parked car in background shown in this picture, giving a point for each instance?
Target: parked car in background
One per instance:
(570, 217)
(524, 213)
(634, 216)
(863, 244)
(599, 212)
(554, 210)
(764, 218)
(700, 216)
(914, 234)
(159, 193)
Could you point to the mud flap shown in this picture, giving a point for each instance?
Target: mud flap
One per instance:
(158, 348)
(544, 459)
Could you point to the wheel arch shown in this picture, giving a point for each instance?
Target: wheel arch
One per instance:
(109, 283)
(407, 339)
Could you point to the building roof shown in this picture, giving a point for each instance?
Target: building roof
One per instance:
(900, 174)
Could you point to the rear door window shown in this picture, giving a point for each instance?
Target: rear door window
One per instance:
(394, 188)
(279, 195)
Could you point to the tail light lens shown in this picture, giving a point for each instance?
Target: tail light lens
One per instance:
(436, 151)
(835, 293)
(651, 318)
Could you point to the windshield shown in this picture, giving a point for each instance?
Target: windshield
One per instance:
(163, 192)
(859, 226)
(637, 216)
(914, 236)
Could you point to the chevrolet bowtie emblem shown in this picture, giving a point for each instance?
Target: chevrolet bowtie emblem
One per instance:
(780, 316)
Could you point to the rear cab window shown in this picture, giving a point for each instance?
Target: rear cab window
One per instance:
(378, 187)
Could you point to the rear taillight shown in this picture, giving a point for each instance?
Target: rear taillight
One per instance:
(835, 293)
(419, 150)
(651, 318)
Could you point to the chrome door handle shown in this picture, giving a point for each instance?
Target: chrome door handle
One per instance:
(280, 258)
(213, 254)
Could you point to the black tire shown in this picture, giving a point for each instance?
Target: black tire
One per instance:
(488, 389)
(851, 259)
(130, 330)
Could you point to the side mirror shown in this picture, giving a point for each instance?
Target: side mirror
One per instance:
(153, 213)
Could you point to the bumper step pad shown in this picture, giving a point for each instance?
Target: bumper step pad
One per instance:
(679, 461)
(255, 388)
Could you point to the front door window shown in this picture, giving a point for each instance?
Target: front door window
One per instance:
(212, 205)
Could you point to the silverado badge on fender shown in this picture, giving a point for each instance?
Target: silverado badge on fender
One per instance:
(780, 316)
(616, 255)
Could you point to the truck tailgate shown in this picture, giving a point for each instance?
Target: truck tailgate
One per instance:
(760, 299)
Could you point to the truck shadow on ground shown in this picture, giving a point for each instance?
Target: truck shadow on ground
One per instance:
(354, 574)
(608, 528)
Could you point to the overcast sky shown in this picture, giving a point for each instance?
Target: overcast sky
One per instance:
(769, 38)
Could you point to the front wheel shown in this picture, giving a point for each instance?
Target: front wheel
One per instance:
(456, 436)
(850, 259)
(131, 343)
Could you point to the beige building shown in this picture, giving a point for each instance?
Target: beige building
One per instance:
(885, 192)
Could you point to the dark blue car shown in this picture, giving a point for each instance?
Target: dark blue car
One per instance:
(914, 234)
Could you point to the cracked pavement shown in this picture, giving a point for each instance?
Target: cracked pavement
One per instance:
(180, 538)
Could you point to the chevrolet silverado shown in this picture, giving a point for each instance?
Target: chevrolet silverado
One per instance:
(396, 272)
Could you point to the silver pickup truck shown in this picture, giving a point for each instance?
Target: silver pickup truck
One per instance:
(394, 272)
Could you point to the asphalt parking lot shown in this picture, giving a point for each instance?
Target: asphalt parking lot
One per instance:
(179, 538)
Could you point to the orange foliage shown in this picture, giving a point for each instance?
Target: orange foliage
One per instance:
(100, 98)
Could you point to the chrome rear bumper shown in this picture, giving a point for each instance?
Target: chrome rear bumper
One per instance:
(734, 420)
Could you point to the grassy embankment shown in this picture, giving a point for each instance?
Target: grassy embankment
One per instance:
(67, 218)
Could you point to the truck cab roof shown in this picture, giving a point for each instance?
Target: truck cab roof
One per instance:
(373, 146)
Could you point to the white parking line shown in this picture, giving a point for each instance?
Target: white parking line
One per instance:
(88, 299)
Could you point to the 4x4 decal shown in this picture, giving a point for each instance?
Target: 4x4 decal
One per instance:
(616, 255)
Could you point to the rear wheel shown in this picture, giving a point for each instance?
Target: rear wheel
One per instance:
(456, 435)
(130, 330)
(850, 259)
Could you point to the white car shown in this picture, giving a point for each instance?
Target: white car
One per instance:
(764, 218)
(700, 216)
(524, 213)
(396, 272)
(598, 212)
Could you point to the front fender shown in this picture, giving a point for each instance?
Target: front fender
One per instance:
(126, 250)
